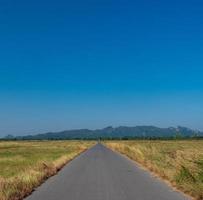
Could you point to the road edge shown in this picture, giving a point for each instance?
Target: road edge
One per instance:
(151, 173)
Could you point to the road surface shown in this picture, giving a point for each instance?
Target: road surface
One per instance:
(101, 174)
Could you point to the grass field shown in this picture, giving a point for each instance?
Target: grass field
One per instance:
(179, 162)
(24, 165)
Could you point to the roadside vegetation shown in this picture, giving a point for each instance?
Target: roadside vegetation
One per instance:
(26, 164)
(180, 161)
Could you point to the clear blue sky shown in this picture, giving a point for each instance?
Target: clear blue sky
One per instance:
(90, 64)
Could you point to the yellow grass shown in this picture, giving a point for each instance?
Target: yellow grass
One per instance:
(25, 164)
(180, 162)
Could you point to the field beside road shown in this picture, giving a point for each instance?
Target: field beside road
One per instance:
(25, 164)
(180, 162)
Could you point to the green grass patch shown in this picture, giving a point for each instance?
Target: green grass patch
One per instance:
(25, 164)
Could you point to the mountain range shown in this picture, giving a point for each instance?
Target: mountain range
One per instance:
(110, 132)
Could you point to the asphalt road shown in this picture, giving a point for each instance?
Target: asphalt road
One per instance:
(101, 174)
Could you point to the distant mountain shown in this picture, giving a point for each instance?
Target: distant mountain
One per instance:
(113, 133)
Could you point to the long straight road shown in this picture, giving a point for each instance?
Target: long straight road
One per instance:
(101, 174)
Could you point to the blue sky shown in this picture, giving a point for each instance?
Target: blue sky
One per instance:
(91, 64)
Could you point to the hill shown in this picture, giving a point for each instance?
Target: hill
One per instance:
(123, 132)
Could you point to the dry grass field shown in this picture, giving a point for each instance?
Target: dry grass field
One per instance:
(25, 164)
(179, 162)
